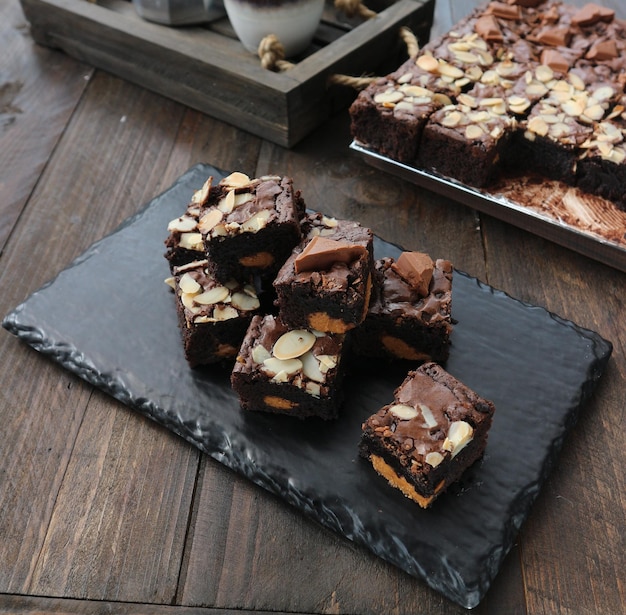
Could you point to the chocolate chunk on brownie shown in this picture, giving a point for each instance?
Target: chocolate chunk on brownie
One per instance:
(326, 282)
(249, 226)
(435, 428)
(213, 317)
(410, 313)
(282, 370)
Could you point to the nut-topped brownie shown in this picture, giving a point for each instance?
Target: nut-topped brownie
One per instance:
(466, 140)
(326, 282)
(425, 439)
(283, 370)
(213, 317)
(184, 243)
(410, 313)
(249, 226)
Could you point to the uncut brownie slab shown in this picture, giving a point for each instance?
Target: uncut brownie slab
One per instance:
(326, 282)
(213, 317)
(249, 226)
(433, 430)
(282, 370)
(410, 313)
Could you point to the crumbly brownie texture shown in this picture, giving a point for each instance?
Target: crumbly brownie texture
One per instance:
(250, 226)
(549, 62)
(326, 282)
(410, 313)
(435, 428)
(282, 370)
(213, 317)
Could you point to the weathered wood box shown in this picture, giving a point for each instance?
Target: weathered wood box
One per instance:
(207, 68)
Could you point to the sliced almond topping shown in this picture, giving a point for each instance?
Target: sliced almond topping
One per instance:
(604, 93)
(191, 241)
(427, 63)
(210, 219)
(313, 389)
(433, 458)
(184, 224)
(576, 81)
(573, 108)
(260, 354)
(459, 434)
(245, 302)
(236, 180)
(257, 221)
(275, 366)
(188, 284)
(466, 57)
(225, 312)
(403, 412)
(452, 119)
(200, 196)
(474, 131)
(212, 296)
(594, 113)
(388, 96)
(544, 73)
(311, 367)
(447, 70)
(293, 344)
(538, 125)
(429, 418)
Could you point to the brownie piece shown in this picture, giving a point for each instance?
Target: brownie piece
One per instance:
(184, 243)
(410, 312)
(326, 282)
(466, 141)
(213, 317)
(283, 370)
(601, 169)
(388, 116)
(249, 226)
(549, 141)
(435, 428)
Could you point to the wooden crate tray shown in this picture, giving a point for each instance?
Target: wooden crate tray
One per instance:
(208, 69)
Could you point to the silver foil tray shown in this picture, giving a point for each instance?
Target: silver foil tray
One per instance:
(587, 224)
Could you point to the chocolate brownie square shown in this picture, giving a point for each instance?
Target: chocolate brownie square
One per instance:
(410, 312)
(466, 141)
(326, 282)
(213, 317)
(548, 142)
(282, 370)
(249, 226)
(433, 431)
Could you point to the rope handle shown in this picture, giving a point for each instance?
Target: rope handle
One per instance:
(272, 53)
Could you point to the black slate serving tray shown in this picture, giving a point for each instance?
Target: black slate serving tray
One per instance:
(537, 368)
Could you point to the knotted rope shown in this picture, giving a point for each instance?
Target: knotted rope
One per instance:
(272, 53)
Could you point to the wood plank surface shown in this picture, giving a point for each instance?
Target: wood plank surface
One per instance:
(102, 510)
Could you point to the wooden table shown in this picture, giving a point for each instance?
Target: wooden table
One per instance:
(102, 510)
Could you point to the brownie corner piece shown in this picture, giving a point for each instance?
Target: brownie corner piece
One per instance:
(433, 431)
(410, 314)
(282, 370)
(213, 317)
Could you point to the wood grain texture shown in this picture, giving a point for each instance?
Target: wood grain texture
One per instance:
(103, 511)
(39, 90)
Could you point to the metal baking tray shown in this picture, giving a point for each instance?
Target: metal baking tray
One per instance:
(587, 224)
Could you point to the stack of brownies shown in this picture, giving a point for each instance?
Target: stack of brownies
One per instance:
(284, 296)
(529, 85)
